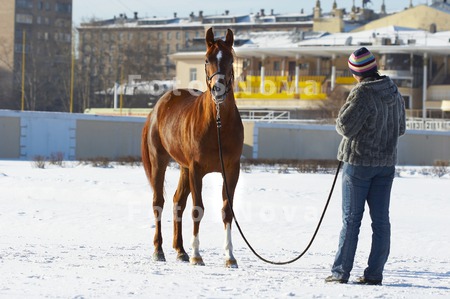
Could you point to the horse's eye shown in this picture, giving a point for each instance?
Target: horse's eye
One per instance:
(206, 61)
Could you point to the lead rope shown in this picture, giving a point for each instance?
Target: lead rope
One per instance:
(219, 126)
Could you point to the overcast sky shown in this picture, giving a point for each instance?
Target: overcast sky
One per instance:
(106, 9)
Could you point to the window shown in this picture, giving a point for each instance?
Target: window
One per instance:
(178, 35)
(60, 23)
(19, 47)
(276, 66)
(28, 4)
(304, 66)
(63, 7)
(291, 67)
(169, 35)
(86, 36)
(193, 74)
(19, 34)
(24, 19)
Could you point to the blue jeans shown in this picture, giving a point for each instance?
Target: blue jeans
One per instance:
(361, 184)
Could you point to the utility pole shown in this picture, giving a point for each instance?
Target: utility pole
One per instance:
(23, 70)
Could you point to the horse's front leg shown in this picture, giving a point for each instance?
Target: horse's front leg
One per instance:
(195, 179)
(232, 179)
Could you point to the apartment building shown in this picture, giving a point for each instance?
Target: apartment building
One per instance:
(35, 53)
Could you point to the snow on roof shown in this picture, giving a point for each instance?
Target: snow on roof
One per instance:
(224, 16)
(155, 87)
(391, 35)
(267, 38)
(275, 38)
(294, 14)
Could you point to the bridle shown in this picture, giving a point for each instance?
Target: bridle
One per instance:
(228, 84)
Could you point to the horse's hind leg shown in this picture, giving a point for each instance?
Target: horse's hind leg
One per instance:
(154, 169)
(157, 182)
(179, 204)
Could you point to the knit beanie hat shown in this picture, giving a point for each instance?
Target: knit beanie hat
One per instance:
(362, 62)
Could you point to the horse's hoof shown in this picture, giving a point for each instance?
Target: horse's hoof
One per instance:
(183, 257)
(231, 264)
(158, 256)
(197, 261)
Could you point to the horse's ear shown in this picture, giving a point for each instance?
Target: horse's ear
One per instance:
(229, 39)
(209, 38)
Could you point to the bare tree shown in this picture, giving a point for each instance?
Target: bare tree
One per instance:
(46, 72)
(110, 56)
(6, 76)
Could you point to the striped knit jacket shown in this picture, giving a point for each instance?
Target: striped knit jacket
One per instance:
(370, 121)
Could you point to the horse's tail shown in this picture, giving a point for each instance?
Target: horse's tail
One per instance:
(144, 148)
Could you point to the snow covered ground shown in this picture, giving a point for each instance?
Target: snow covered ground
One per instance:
(86, 232)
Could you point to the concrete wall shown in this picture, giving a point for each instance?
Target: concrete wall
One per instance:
(24, 135)
(294, 141)
(302, 141)
(423, 147)
(9, 137)
(108, 138)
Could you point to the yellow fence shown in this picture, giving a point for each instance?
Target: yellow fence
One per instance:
(345, 80)
(278, 87)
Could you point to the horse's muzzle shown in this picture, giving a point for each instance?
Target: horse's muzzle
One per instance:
(219, 92)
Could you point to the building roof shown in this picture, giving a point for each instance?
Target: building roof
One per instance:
(202, 20)
(420, 17)
(389, 39)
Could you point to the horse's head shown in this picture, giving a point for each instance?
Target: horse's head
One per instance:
(219, 65)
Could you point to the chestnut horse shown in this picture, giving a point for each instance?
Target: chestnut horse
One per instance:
(183, 127)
